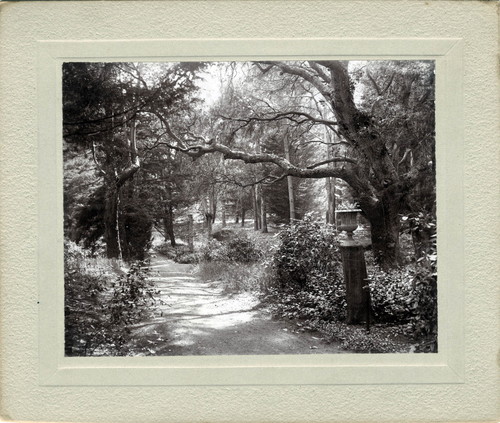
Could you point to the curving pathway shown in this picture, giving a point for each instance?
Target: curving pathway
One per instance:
(197, 318)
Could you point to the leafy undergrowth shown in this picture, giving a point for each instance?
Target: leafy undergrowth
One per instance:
(379, 338)
(102, 300)
(180, 253)
(234, 277)
(236, 259)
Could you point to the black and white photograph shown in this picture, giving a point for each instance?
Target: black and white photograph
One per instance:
(249, 208)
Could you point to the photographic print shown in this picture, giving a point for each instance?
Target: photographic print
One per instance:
(246, 208)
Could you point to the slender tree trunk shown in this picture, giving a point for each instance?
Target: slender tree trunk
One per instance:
(330, 195)
(168, 221)
(212, 203)
(223, 211)
(256, 208)
(237, 209)
(330, 182)
(242, 207)
(190, 233)
(209, 218)
(291, 199)
(114, 183)
(332, 185)
(263, 213)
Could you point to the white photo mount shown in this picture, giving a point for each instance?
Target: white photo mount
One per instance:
(445, 366)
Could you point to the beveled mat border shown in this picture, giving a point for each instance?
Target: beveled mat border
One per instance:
(446, 366)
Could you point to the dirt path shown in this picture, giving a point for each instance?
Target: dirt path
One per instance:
(199, 319)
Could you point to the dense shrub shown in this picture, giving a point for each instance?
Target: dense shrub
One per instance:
(180, 253)
(323, 299)
(407, 295)
(307, 270)
(234, 277)
(236, 259)
(306, 251)
(101, 304)
(234, 246)
(137, 232)
(135, 227)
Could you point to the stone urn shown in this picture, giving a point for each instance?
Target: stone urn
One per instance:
(347, 220)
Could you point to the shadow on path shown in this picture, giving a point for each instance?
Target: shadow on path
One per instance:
(199, 319)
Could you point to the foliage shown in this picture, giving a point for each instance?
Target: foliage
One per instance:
(180, 253)
(307, 271)
(88, 225)
(137, 227)
(112, 113)
(380, 339)
(409, 294)
(234, 277)
(100, 305)
(323, 299)
(406, 295)
(306, 250)
(237, 259)
(235, 246)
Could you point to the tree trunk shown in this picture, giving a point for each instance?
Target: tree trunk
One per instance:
(190, 233)
(385, 237)
(263, 213)
(256, 208)
(212, 203)
(114, 181)
(243, 217)
(209, 219)
(168, 221)
(111, 224)
(291, 199)
(206, 207)
(223, 211)
(330, 195)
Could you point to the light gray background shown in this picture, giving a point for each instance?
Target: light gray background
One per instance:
(22, 24)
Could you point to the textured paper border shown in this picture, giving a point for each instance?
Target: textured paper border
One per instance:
(446, 366)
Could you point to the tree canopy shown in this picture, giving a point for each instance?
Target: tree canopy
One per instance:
(262, 135)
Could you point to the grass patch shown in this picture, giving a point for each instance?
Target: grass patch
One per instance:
(234, 277)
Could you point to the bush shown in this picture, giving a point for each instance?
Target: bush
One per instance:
(306, 251)
(323, 299)
(308, 279)
(180, 253)
(234, 277)
(234, 246)
(407, 295)
(137, 230)
(100, 305)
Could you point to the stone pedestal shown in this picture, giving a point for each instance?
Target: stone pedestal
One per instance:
(357, 296)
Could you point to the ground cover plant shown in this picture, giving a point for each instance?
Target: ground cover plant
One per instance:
(102, 302)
